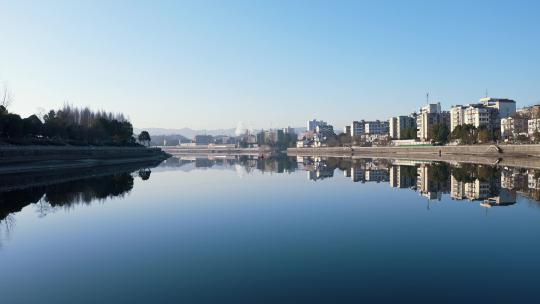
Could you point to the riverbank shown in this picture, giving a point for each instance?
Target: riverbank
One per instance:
(24, 159)
(206, 150)
(423, 151)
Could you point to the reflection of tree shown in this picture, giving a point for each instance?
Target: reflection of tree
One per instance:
(144, 174)
(87, 190)
(468, 173)
(65, 194)
(464, 173)
(439, 173)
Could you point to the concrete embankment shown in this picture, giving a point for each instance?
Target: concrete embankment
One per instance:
(422, 151)
(213, 150)
(21, 159)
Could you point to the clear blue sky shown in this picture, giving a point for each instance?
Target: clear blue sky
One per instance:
(210, 64)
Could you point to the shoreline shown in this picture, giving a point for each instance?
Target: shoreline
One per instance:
(498, 151)
(26, 159)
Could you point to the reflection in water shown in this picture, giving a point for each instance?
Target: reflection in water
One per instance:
(84, 187)
(490, 186)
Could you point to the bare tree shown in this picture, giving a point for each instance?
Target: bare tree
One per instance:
(5, 97)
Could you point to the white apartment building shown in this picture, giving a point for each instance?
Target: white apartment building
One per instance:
(457, 116)
(397, 126)
(430, 115)
(358, 128)
(481, 116)
(474, 114)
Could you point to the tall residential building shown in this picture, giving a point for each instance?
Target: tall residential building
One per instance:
(313, 124)
(358, 128)
(347, 130)
(398, 125)
(457, 116)
(376, 127)
(325, 130)
(506, 107)
(429, 116)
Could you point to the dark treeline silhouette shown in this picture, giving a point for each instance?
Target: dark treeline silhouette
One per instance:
(69, 125)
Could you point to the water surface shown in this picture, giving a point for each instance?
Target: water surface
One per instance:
(248, 230)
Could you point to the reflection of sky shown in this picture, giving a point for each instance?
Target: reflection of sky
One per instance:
(208, 235)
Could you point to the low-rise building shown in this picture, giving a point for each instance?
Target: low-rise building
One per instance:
(533, 126)
(511, 127)
(203, 139)
(529, 112)
(475, 114)
(479, 115)
(506, 107)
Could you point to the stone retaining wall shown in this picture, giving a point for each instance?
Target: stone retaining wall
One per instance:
(485, 150)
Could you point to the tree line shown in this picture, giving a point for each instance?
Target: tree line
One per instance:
(68, 125)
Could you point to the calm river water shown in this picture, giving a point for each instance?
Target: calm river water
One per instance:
(279, 230)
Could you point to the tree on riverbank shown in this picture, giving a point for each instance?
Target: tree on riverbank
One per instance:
(440, 133)
(144, 137)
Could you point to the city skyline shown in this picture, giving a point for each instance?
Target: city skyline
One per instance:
(189, 64)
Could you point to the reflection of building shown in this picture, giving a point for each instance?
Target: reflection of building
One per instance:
(457, 189)
(478, 190)
(318, 169)
(505, 198)
(320, 173)
(376, 175)
(512, 178)
(430, 182)
(358, 174)
(533, 179)
(400, 179)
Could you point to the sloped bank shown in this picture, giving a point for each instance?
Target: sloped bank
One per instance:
(419, 151)
(21, 159)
